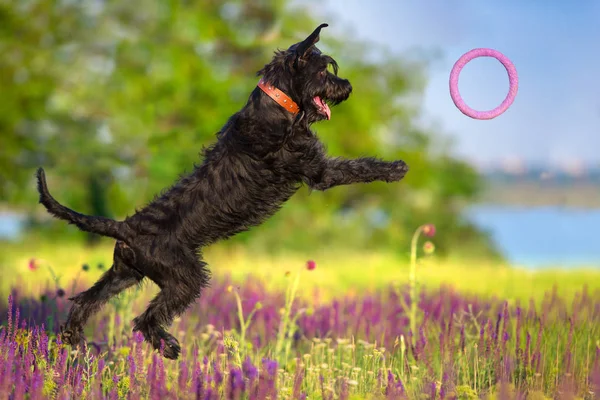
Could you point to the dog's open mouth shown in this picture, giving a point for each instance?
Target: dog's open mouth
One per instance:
(322, 107)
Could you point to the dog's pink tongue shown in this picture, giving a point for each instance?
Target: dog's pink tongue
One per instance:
(323, 106)
(327, 110)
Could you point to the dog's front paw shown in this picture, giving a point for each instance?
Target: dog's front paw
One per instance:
(397, 171)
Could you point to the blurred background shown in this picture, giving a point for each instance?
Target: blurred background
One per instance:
(116, 99)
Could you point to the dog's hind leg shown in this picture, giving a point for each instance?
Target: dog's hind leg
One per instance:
(176, 295)
(119, 277)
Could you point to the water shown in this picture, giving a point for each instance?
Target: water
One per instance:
(532, 237)
(11, 225)
(540, 236)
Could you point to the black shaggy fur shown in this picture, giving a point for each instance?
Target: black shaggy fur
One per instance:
(261, 158)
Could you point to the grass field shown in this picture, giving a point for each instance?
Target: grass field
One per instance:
(270, 328)
(337, 273)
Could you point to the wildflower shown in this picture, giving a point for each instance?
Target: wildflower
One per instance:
(230, 343)
(429, 230)
(271, 367)
(237, 381)
(32, 265)
(249, 369)
(428, 247)
(310, 265)
(229, 289)
(85, 267)
(258, 305)
(60, 292)
(124, 351)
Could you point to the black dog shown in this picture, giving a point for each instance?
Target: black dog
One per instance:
(263, 155)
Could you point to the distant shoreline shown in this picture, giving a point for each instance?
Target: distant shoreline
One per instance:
(538, 194)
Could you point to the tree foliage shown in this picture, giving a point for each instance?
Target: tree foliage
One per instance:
(116, 99)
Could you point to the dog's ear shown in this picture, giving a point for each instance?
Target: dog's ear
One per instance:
(304, 46)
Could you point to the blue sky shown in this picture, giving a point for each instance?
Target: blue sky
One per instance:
(554, 45)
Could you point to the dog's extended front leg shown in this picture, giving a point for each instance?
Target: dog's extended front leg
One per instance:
(340, 171)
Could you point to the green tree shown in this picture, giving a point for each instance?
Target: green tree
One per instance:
(127, 94)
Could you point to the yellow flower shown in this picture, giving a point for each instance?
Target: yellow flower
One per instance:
(428, 247)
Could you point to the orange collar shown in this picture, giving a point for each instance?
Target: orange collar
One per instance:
(280, 98)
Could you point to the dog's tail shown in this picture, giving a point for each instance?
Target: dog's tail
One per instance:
(100, 225)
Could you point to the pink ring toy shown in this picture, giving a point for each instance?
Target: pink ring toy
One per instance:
(512, 79)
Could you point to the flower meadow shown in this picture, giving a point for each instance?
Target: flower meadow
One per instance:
(241, 341)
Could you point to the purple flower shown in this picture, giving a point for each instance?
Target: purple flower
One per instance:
(183, 376)
(250, 371)
(197, 384)
(24, 346)
(218, 375)
(390, 383)
(236, 383)
(270, 366)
